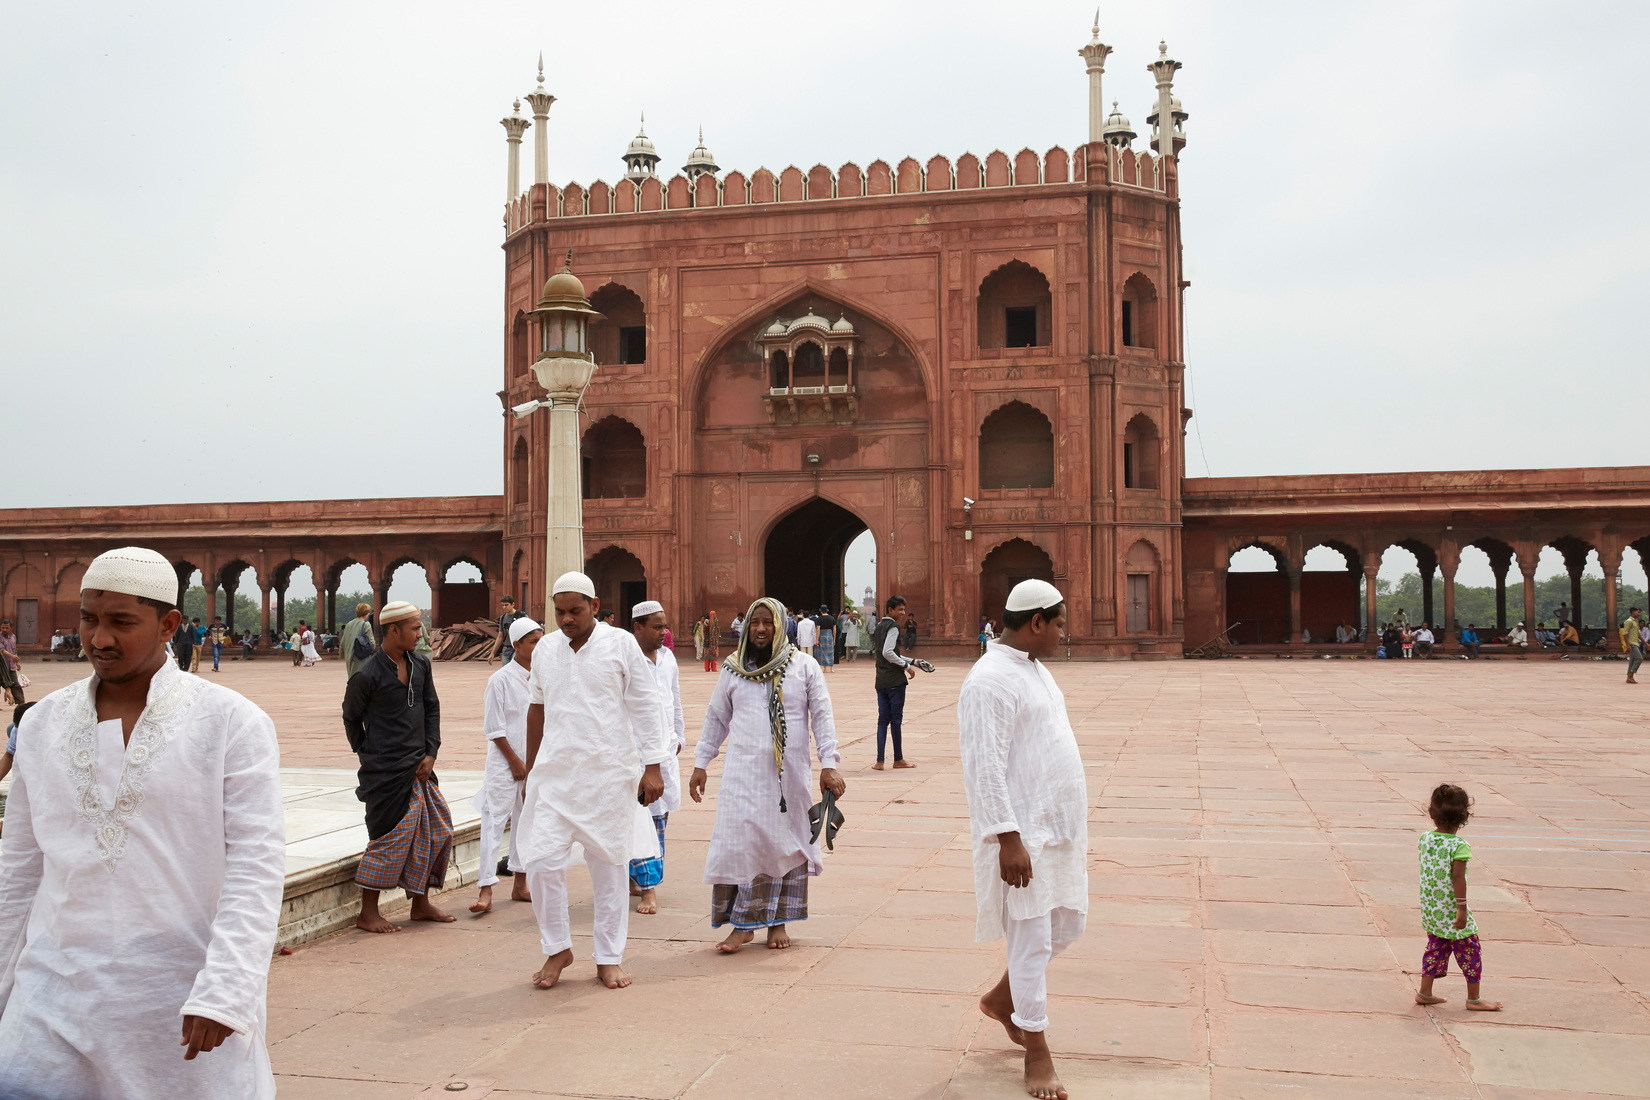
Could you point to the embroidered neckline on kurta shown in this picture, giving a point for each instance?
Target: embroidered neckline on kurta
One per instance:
(149, 736)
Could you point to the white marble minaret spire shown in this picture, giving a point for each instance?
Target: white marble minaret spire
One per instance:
(540, 101)
(514, 127)
(1095, 54)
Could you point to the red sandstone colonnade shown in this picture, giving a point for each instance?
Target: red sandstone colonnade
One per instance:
(1511, 515)
(44, 553)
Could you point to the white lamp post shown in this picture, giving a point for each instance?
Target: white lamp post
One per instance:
(564, 368)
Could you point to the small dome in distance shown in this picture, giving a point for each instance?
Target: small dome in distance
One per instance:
(842, 326)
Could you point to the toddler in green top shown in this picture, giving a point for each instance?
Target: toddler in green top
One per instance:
(1449, 923)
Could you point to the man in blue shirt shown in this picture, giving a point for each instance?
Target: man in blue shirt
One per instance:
(1469, 639)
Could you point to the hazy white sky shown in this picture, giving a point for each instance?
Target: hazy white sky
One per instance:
(244, 244)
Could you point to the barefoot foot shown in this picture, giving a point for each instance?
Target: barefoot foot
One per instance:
(1041, 1080)
(519, 891)
(878, 766)
(612, 976)
(484, 901)
(550, 973)
(1006, 1018)
(375, 922)
(423, 910)
(736, 939)
(778, 938)
(1429, 999)
(649, 902)
(1483, 1006)
(903, 764)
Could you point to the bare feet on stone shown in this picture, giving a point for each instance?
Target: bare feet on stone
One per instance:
(375, 922)
(1429, 999)
(484, 901)
(778, 938)
(648, 903)
(1483, 1006)
(999, 1005)
(903, 764)
(878, 766)
(1041, 1080)
(612, 975)
(518, 889)
(423, 910)
(550, 973)
(736, 939)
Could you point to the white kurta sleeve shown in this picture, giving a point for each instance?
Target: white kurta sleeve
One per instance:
(985, 717)
(230, 988)
(494, 713)
(718, 717)
(654, 740)
(820, 717)
(21, 865)
(679, 719)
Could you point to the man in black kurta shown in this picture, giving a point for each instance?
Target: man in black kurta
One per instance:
(393, 720)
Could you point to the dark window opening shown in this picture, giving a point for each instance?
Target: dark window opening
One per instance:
(1020, 327)
(1128, 324)
(584, 478)
(633, 344)
(1128, 466)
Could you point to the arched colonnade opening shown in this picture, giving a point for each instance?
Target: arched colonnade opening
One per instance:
(803, 556)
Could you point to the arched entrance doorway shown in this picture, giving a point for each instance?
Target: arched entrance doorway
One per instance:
(620, 580)
(802, 559)
(1014, 561)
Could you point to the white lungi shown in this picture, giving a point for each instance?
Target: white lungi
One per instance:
(1031, 944)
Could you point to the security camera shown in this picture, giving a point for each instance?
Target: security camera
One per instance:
(813, 460)
(525, 409)
(968, 502)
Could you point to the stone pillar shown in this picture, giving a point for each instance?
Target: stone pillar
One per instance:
(280, 607)
(540, 101)
(1575, 595)
(1294, 607)
(1449, 603)
(1428, 571)
(1094, 54)
(263, 622)
(1612, 613)
(229, 604)
(514, 127)
(1529, 600)
(1372, 625)
(432, 574)
(332, 609)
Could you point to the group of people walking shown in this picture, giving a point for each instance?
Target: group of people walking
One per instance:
(142, 875)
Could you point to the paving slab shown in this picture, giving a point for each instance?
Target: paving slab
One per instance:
(1252, 929)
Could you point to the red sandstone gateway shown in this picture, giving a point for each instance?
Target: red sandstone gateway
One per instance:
(976, 360)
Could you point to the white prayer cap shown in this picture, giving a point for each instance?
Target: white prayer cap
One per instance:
(136, 571)
(521, 628)
(646, 608)
(574, 582)
(1034, 595)
(395, 612)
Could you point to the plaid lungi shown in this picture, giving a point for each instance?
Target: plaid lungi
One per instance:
(648, 873)
(414, 854)
(764, 901)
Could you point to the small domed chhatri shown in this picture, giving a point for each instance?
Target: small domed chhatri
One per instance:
(809, 320)
(1117, 131)
(641, 160)
(700, 162)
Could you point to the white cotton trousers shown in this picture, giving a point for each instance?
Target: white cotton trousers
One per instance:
(547, 879)
(1031, 944)
(492, 835)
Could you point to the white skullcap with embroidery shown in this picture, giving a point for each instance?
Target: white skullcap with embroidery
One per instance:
(521, 628)
(136, 571)
(646, 608)
(1034, 595)
(395, 612)
(574, 582)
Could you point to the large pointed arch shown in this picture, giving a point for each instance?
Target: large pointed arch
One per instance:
(736, 328)
(803, 547)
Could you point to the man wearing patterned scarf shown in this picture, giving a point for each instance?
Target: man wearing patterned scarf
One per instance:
(769, 696)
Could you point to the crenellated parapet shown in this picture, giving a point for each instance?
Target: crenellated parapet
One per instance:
(1121, 166)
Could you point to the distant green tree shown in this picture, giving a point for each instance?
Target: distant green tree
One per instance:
(1477, 605)
(249, 615)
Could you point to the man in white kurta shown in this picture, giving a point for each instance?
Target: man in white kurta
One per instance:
(649, 624)
(504, 724)
(761, 848)
(1028, 817)
(596, 738)
(143, 867)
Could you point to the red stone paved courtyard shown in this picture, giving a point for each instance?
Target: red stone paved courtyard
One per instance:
(1253, 930)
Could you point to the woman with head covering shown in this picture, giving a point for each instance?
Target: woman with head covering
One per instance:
(768, 699)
